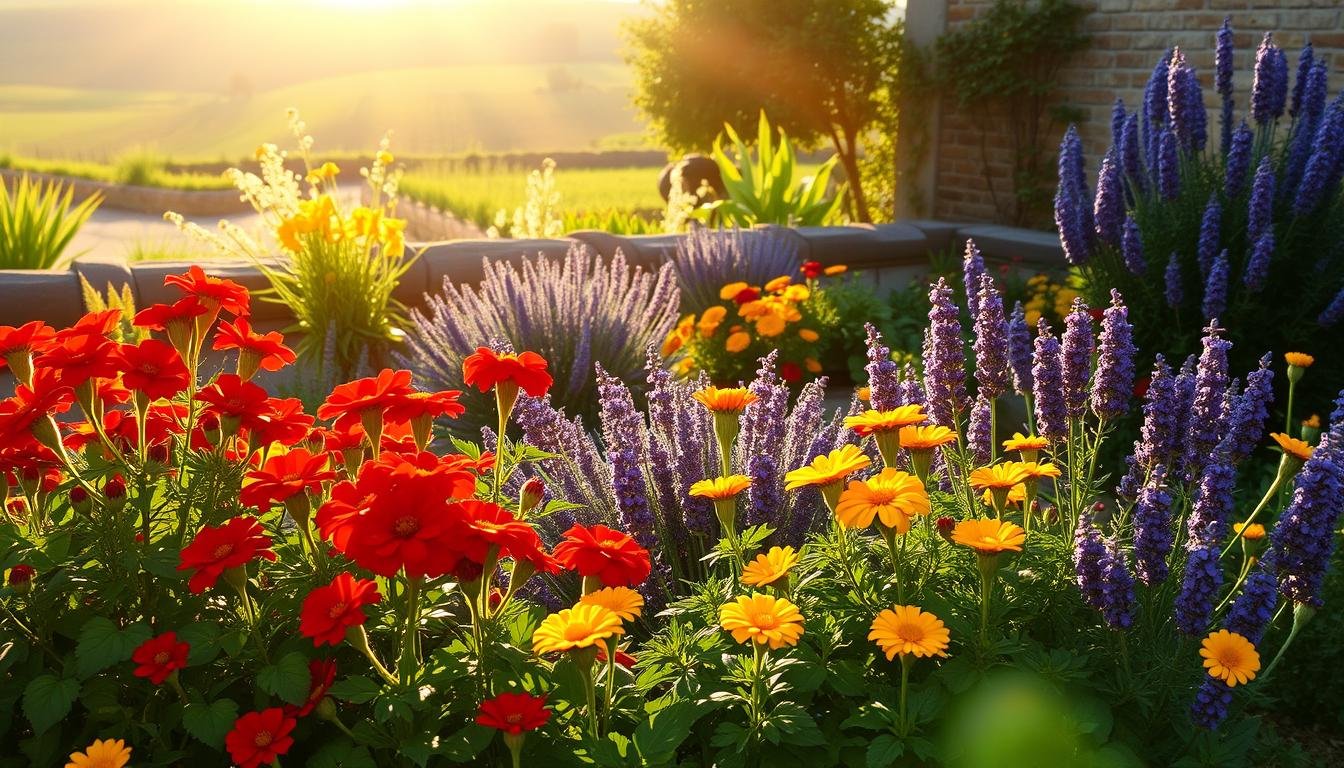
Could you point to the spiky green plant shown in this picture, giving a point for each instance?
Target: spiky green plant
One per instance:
(38, 221)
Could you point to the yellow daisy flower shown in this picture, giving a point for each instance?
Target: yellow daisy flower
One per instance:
(762, 619)
(906, 630)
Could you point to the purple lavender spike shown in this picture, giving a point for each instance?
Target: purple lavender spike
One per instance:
(1209, 228)
(1019, 350)
(1076, 358)
(1117, 587)
(1109, 208)
(979, 434)
(1131, 247)
(1215, 287)
(1174, 290)
(972, 267)
(1257, 266)
(1051, 413)
(1333, 313)
(1153, 534)
(1269, 90)
(945, 361)
(991, 342)
(1114, 382)
(1304, 539)
(1246, 422)
(1238, 162)
(1305, 60)
(1222, 79)
(1168, 166)
(883, 373)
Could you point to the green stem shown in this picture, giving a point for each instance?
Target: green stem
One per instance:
(993, 430)
(1288, 417)
(408, 662)
(1264, 501)
(906, 661)
(611, 684)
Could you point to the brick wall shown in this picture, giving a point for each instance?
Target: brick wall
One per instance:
(1128, 37)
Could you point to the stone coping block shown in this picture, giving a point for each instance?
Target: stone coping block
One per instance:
(55, 296)
(151, 200)
(1003, 244)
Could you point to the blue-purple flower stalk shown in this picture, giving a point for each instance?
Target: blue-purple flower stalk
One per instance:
(1173, 290)
(1269, 91)
(992, 376)
(622, 433)
(1019, 350)
(1168, 166)
(1257, 266)
(1246, 421)
(1321, 176)
(1305, 61)
(1076, 358)
(1051, 413)
(1114, 381)
(1209, 226)
(1253, 609)
(972, 268)
(1155, 110)
(1117, 587)
(1131, 158)
(1215, 287)
(1131, 247)
(1333, 313)
(1260, 208)
(884, 380)
(1222, 82)
(1202, 422)
(1305, 126)
(945, 361)
(1109, 209)
(1158, 441)
(1238, 163)
(980, 431)
(1153, 534)
(1088, 552)
(1304, 537)
(1073, 214)
(1211, 703)
(1185, 104)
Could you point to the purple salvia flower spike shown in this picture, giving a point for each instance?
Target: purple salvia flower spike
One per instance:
(1157, 441)
(1203, 418)
(1199, 587)
(972, 267)
(1173, 290)
(1305, 126)
(1019, 350)
(1155, 110)
(1211, 703)
(1185, 104)
(1114, 382)
(979, 433)
(912, 389)
(1168, 166)
(1333, 313)
(1153, 534)
(1268, 91)
(1076, 358)
(1305, 61)
(1118, 115)
(1109, 208)
(1260, 208)
(1088, 551)
(1209, 227)
(1131, 159)
(1246, 422)
(1257, 266)
(1117, 587)
(1238, 163)
(1321, 175)
(1304, 538)
(1253, 609)
(1131, 247)
(1051, 413)
(1073, 214)
(1215, 287)
(945, 360)
(1222, 81)
(883, 372)
(991, 341)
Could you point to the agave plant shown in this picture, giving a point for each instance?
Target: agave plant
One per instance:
(576, 312)
(37, 223)
(765, 190)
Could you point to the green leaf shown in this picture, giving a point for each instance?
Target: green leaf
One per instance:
(798, 724)
(341, 753)
(657, 738)
(356, 690)
(466, 744)
(883, 751)
(203, 639)
(287, 678)
(102, 644)
(210, 722)
(48, 699)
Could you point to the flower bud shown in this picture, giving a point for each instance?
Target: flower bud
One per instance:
(531, 495)
(79, 500)
(17, 509)
(945, 526)
(21, 578)
(326, 709)
(115, 491)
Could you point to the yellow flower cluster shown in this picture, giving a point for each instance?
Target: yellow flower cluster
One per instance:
(318, 218)
(1047, 296)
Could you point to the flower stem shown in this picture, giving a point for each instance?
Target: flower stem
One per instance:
(1264, 500)
(906, 661)
(408, 662)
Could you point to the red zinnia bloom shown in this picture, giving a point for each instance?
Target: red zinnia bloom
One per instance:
(514, 713)
(790, 372)
(229, 395)
(485, 369)
(745, 295)
(153, 368)
(812, 269)
(212, 291)
(282, 421)
(611, 556)
(321, 674)
(348, 402)
(23, 339)
(329, 611)
(46, 396)
(159, 657)
(92, 324)
(217, 548)
(490, 525)
(160, 316)
(429, 405)
(22, 574)
(624, 659)
(80, 358)
(259, 738)
(267, 351)
(283, 476)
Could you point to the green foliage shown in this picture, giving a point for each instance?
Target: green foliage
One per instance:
(1002, 67)
(124, 300)
(828, 65)
(37, 223)
(767, 189)
(138, 167)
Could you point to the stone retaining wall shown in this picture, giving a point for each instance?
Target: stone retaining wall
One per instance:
(152, 200)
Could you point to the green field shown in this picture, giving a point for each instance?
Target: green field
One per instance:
(476, 195)
(135, 168)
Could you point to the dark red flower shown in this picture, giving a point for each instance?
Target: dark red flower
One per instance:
(162, 317)
(812, 269)
(350, 401)
(485, 369)
(255, 350)
(514, 713)
(153, 368)
(21, 576)
(745, 295)
(115, 488)
(214, 292)
(285, 475)
(606, 554)
(218, 548)
(790, 372)
(624, 659)
(159, 657)
(321, 674)
(260, 738)
(329, 611)
(1141, 386)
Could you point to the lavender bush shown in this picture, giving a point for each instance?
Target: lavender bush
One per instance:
(576, 312)
(1242, 221)
(708, 259)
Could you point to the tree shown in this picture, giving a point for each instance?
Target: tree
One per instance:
(819, 69)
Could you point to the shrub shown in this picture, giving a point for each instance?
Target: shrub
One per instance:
(576, 312)
(1239, 221)
(708, 259)
(336, 269)
(37, 223)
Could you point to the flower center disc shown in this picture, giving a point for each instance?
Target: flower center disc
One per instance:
(406, 526)
(263, 739)
(223, 551)
(336, 610)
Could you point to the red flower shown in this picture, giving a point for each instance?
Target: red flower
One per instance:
(80, 357)
(425, 405)
(214, 292)
(92, 324)
(283, 476)
(514, 713)
(255, 350)
(31, 403)
(790, 372)
(624, 659)
(260, 738)
(230, 396)
(218, 548)
(280, 421)
(153, 368)
(161, 316)
(745, 295)
(812, 269)
(23, 339)
(22, 574)
(159, 657)
(321, 674)
(609, 555)
(486, 368)
(490, 525)
(348, 402)
(329, 611)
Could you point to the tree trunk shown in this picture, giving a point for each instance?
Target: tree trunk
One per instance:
(848, 154)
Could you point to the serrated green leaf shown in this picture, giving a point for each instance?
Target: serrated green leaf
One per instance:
(657, 738)
(342, 753)
(287, 678)
(102, 644)
(47, 699)
(210, 722)
(355, 689)
(883, 751)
